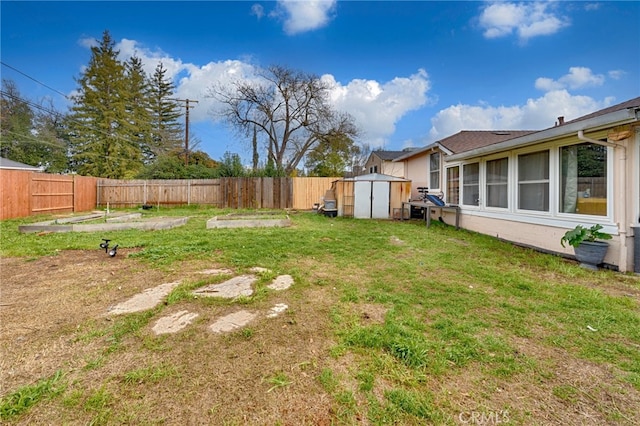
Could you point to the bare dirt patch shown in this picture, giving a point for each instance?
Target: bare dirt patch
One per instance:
(54, 316)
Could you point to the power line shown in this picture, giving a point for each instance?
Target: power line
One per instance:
(186, 127)
(31, 78)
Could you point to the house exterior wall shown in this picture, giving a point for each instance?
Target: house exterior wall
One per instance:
(544, 229)
(375, 164)
(416, 171)
(392, 169)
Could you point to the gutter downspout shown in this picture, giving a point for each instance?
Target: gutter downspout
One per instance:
(622, 230)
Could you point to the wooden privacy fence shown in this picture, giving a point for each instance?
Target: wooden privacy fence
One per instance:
(26, 193)
(258, 193)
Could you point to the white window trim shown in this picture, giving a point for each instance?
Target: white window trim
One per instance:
(440, 170)
(551, 218)
(483, 165)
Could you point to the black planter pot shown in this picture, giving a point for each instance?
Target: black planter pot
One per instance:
(590, 254)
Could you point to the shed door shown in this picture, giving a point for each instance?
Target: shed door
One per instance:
(371, 200)
(362, 200)
(380, 200)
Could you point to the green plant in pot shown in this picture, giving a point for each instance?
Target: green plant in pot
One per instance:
(588, 244)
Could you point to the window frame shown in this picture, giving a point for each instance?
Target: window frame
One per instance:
(430, 171)
(550, 189)
(506, 184)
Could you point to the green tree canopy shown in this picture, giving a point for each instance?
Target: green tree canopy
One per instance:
(101, 128)
(31, 133)
(165, 113)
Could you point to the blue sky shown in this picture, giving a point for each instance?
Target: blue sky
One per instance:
(409, 72)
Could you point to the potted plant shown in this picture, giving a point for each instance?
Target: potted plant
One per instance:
(587, 244)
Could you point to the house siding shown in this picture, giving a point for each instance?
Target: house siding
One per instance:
(544, 229)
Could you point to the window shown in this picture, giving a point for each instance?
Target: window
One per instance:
(470, 184)
(583, 179)
(533, 181)
(434, 171)
(497, 183)
(373, 169)
(453, 185)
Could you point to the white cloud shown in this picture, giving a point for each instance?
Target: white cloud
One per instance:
(304, 15)
(525, 19)
(578, 77)
(616, 74)
(377, 107)
(535, 114)
(257, 10)
(88, 42)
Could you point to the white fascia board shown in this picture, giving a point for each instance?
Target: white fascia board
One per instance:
(422, 150)
(612, 119)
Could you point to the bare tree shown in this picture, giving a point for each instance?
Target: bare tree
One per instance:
(290, 107)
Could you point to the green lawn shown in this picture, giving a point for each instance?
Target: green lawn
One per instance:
(413, 326)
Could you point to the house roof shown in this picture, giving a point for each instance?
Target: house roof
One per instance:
(631, 103)
(388, 155)
(5, 163)
(467, 140)
(623, 113)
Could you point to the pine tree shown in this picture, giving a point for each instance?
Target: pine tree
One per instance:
(139, 107)
(16, 123)
(165, 114)
(100, 126)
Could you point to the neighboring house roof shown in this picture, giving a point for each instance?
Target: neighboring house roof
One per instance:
(623, 113)
(388, 155)
(5, 163)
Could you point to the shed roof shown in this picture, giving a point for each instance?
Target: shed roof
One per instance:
(377, 177)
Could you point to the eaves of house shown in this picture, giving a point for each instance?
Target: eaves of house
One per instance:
(617, 115)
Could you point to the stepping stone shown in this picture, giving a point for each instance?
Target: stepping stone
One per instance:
(259, 270)
(174, 323)
(223, 271)
(236, 286)
(277, 310)
(148, 299)
(281, 282)
(232, 321)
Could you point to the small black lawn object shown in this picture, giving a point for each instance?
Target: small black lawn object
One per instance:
(105, 246)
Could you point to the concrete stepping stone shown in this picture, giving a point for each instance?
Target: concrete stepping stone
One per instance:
(259, 270)
(281, 282)
(174, 323)
(236, 286)
(277, 310)
(222, 271)
(232, 321)
(148, 299)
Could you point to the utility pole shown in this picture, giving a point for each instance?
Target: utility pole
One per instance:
(186, 127)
